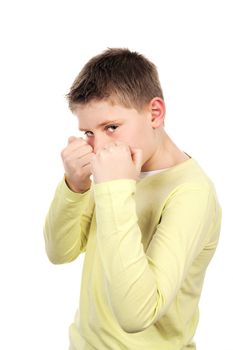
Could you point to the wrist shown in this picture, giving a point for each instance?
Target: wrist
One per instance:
(75, 188)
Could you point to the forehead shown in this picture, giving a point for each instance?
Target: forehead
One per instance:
(97, 113)
(99, 107)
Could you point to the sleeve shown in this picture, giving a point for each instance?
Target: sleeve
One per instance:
(67, 224)
(142, 285)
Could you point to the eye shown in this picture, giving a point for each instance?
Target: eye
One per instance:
(86, 133)
(112, 128)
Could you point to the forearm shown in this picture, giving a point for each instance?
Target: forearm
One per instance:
(129, 273)
(67, 224)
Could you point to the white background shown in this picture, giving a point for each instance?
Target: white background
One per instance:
(44, 44)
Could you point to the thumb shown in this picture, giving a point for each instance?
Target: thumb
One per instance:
(136, 154)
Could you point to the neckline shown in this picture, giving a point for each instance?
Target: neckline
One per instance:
(171, 169)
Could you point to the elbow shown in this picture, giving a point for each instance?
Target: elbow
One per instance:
(58, 259)
(129, 329)
(134, 323)
(52, 253)
(135, 327)
(54, 259)
(137, 319)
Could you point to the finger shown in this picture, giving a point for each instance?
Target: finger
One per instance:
(83, 150)
(71, 139)
(77, 145)
(76, 140)
(86, 159)
(87, 168)
(114, 145)
(75, 158)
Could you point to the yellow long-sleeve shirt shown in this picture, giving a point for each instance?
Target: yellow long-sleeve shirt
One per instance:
(147, 245)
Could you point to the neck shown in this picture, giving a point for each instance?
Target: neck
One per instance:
(166, 154)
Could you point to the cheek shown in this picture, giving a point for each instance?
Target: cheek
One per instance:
(130, 138)
(146, 142)
(134, 137)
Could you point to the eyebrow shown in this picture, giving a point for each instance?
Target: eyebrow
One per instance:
(102, 124)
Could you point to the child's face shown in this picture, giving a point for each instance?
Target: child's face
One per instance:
(102, 123)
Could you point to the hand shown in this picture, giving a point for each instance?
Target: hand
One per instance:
(76, 160)
(116, 161)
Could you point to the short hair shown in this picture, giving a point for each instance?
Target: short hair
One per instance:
(118, 75)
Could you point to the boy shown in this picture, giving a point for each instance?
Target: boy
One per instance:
(149, 222)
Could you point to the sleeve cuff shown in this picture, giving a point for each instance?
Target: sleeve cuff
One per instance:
(68, 193)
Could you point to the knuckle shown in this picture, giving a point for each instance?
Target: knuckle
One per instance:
(71, 139)
(63, 152)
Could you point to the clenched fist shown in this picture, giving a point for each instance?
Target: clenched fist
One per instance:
(76, 159)
(116, 161)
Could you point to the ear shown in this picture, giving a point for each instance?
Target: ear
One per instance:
(157, 112)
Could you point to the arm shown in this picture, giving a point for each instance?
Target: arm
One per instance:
(142, 285)
(67, 224)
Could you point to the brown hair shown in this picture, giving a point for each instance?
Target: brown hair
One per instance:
(119, 75)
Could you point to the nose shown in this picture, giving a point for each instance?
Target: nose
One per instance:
(98, 141)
